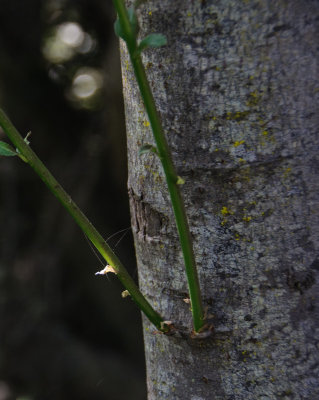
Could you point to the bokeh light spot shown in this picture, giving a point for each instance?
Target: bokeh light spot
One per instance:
(86, 82)
(71, 34)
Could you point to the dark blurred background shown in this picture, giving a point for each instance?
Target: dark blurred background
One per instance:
(64, 333)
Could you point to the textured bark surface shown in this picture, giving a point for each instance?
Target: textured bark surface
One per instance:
(237, 90)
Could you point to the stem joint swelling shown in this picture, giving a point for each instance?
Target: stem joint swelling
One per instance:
(126, 27)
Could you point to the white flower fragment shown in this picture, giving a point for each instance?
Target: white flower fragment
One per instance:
(125, 293)
(106, 270)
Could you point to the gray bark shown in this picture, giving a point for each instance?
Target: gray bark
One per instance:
(237, 90)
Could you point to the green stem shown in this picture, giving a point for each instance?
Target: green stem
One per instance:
(168, 166)
(90, 231)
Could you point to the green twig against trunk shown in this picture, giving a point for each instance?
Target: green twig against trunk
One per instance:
(24, 151)
(127, 27)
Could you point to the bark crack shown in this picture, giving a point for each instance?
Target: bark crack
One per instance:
(149, 224)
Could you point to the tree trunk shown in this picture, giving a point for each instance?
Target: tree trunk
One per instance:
(237, 91)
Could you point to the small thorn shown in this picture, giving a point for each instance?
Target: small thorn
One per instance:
(27, 137)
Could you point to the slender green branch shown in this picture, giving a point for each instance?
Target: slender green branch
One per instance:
(128, 34)
(26, 153)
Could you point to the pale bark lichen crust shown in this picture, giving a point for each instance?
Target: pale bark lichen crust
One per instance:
(237, 90)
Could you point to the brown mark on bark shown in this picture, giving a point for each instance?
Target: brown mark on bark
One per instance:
(147, 223)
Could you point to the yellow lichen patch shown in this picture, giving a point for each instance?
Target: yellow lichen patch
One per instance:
(150, 13)
(253, 99)
(146, 123)
(127, 65)
(236, 116)
(238, 143)
(226, 211)
(267, 137)
(247, 218)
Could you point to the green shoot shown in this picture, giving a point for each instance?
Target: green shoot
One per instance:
(126, 27)
(114, 265)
